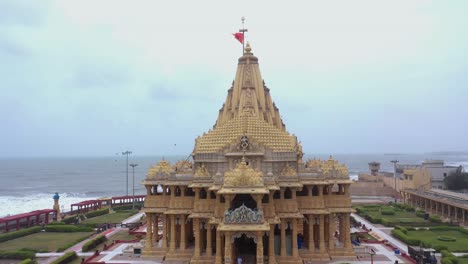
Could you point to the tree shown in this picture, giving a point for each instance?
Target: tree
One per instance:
(457, 180)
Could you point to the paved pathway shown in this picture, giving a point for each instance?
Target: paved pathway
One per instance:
(403, 247)
(134, 218)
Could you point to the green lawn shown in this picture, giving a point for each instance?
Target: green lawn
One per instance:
(122, 235)
(461, 245)
(49, 241)
(400, 216)
(462, 260)
(116, 217)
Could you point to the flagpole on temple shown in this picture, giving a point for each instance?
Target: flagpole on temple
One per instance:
(243, 30)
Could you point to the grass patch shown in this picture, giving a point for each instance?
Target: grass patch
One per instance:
(122, 235)
(392, 215)
(432, 237)
(43, 241)
(116, 217)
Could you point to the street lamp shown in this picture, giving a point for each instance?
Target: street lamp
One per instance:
(133, 194)
(372, 253)
(394, 175)
(127, 153)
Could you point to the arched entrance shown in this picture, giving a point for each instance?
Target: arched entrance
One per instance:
(245, 245)
(243, 199)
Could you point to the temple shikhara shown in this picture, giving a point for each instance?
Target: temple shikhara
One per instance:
(248, 193)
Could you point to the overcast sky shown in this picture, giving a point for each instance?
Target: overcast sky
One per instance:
(93, 78)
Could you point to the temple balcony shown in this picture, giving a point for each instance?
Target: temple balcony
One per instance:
(269, 210)
(156, 201)
(308, 202)
(181, 202)
(286, 206)
(337, 201)
(204, 206)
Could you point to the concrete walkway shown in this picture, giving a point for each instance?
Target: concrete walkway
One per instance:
(402, 246)
(134, 218)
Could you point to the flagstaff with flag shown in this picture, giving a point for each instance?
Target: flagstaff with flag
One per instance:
(240, 36)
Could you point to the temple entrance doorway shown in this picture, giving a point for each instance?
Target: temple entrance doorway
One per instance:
(243, 199)
(245, 248)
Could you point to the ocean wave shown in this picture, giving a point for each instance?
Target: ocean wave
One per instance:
(11, 205)
(464, 164)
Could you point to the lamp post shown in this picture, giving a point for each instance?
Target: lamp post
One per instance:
(133, 193)
(394, 176)
(127, 153)
(372, 253)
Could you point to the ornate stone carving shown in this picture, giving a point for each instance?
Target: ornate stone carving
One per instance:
(244, 143)
(202, 171)
(243, 176)
(162, 169)
(243, 215)
(247, 234)
(288, 171)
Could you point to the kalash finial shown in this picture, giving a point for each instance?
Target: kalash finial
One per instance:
(248, 49)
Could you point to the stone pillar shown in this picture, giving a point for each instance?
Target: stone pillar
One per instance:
(209, 248)
(322, 234)
(456, 214)
(149, 232)
(156, 228)
(183, 236)
(227, 248)
(347, 236)
(283, 238)
(311, 233)
(320, 189)
(260, 247)
(271, 245)
(331, 231)
(172, 241)
(164, 236)
(219, 257)
(295, 252)
(196, 234)
(463, 216)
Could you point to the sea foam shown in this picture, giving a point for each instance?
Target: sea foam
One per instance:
(11, 205)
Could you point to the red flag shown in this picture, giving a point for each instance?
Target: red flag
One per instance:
(239, 36)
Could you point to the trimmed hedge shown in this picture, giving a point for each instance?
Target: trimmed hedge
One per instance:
(448, 257)
(70, 220)
(19, 233)
(435, 219)
(93, 243)
(16, 254)
(56, 223)
(68, 228)
(97, 213)
(447, 238)
(420, 213)
(129, 207)
(403, 237)
(28, 261)
(388, 211)
(66, 258)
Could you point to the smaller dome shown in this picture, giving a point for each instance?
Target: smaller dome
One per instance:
(162, 169)
(56, 196)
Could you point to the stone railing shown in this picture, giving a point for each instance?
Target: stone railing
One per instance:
(286, 206)
(157, 201)
(337, 201)
(205, 205)
(307, 202)
(181, 203)
(243, 215)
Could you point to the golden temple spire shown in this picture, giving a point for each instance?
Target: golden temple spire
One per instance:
(249, 95)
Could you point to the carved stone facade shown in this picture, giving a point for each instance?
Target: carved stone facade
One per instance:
(248, 193)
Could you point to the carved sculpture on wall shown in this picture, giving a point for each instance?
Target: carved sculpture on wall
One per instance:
(202, 171)
(288, 170)
(243, 215)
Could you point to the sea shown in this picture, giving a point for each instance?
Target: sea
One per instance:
(28, 184)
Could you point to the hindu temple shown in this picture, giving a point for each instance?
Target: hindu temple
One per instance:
(247, 192)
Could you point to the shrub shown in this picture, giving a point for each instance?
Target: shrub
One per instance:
(93, 243)
(388, 211)
(56, 223)
(403, 237)
(66, 258)
(28, 261)
(68, 228)
(435, 219)
(70, 220)
(129, 207)
(16, 254)
(446, 253)
(440, 248)
(403, 229)
(97, 213)
(420, 213)
(19, 233)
